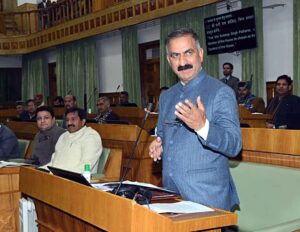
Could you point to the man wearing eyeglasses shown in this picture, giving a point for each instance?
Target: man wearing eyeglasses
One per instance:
(46, 138)
(198, 128)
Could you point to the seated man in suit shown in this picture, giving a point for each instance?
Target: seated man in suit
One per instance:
(9, 148)
(30, 113)
(123, 100)
(46, 138)
(78, 146)
(249, 100)
(104, 111)
(20, 109)
(228, 79)
(285, 107)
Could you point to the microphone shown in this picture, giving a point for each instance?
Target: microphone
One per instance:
(118, 88)
(69, 92)
(148, 111)
(132, 191)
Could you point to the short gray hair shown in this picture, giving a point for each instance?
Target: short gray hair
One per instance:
(180, 33)
(104, 98)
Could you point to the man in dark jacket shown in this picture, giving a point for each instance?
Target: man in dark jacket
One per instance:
(284, 107)
(105, 112)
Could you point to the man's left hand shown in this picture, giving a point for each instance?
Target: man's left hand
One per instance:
(193, 116)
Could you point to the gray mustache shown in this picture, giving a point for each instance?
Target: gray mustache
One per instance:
(187, 66)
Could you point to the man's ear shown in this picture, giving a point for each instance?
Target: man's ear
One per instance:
(290, 87)
(200, 54)
(168, 59)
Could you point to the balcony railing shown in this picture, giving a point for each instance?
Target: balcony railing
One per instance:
(28, 22)
(65, 22)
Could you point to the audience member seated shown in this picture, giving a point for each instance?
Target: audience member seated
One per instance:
(285, 107)
(38, 100)
(9, 148)
(123, 100)
(104, 111)
(249, 100)
(45, 140)
(70, 102)
(20, 109)
(30, 114)
(228, 79)
(78, 146)
(58, 101)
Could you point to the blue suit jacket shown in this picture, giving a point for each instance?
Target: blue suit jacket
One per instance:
(195, 168)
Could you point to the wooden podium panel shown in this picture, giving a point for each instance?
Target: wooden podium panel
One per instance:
(95, 210)
(253, 120)
(9, 199)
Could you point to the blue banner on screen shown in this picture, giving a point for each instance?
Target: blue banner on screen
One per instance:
(230, 32)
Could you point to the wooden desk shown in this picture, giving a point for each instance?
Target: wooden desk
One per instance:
(253, 120)
(271, 146)
(9, 199)
(64, 205)
(135, 115)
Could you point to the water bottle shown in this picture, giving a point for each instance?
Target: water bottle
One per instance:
(87, 172)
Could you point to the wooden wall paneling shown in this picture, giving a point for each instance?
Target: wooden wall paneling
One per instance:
(9, 199)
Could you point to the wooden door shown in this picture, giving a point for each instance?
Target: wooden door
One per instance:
(149, 71)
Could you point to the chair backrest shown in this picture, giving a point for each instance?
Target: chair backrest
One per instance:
(28, 152)
(113, 167)
(23, 145)
(110, 164)
(102, 160)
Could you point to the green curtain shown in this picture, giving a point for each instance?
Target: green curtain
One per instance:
(193, 19)
(130, 62)
(253, 59)
(76, 75)
(296, 74)
(33, 80)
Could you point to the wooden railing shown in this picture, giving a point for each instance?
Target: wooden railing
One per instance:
(64, 28)
(24, 21)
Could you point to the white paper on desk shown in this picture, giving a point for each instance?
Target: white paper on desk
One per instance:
(178, 207)
(11, 164)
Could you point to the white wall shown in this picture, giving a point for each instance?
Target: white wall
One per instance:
(109, 62)
(109, 55)
(149, 31)
(12, 61)
(20, 2)
(278, 39)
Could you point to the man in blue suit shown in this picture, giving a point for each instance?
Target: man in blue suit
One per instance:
(198, 128)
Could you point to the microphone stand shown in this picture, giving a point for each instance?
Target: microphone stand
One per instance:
(117, 189)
